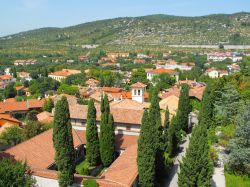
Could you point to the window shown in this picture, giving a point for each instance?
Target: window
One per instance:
(139, 92)
(134, 92)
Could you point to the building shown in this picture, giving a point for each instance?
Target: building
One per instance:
(24, 76)
(155, 72)
(139, 61)
(7, 121)
(138, 90)
(92, 83)
(25, 62)
(171, 103)
(7, 71)
(5, 80)
(214, 73)
(233, 68)
(64, 73)
(171, 64)
(223, 56)
(115, 55)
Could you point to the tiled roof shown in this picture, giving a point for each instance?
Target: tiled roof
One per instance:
(45, 117)
(20, 88)
(162, 70)
(171, 103)
(138, 85)
(12, 105)
(5, 77)
(123, 172)
(9, 118)
(65, 72)
(111, 89)
(92, 82)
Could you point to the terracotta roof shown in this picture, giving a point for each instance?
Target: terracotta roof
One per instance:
(97, 95)
(5, 77)
(24, 74)
(65, 72)
(12, 105)
(127, 104)
(138, 85)
(39, 151)
(171, 103)
(139, 61)
(9, 118)
(111, 89)
(162, 70)
(20, 88)
(45, 117)
(123, 171)
(92, 82)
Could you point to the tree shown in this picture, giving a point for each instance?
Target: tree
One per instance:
(173, 140)
(165, 130)
(48, 105)
(12, 136)
(31, 129)
(146, 153)
(184, 108)
(163, 81)
(10, 91)
(14, 173)
(92, 145)
(239, 157)
(139, 76)
(67, 89)
(13, 70)
(221, 46)
(63, 143)
(196, 167)
(31, 116)
(45, 72)
(226, 104)
(107, 134)
(76, 79)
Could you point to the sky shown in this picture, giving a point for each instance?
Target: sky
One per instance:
(23, 15)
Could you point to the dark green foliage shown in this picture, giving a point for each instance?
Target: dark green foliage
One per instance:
(92, 145)
(173, 140)
(11, 136)
(146, 156)
(165, 130)
(139, 76)
(31, 116)
(77, 79)
(163, 81)
(10, 91)
(31, 129)
(90, 183)
(63, 143)
(41, 85)
(226, 104)
(83, 168)
(67, 89)
(13, 71)
(14, 174)
(239, 157)
(184, 108)
(196, 167)
(107, 134)
(48, 105)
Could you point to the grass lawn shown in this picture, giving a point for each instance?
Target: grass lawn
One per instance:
(236, 181)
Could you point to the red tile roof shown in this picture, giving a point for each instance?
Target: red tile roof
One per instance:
(138, 85)
(5, 77)
(162, 70)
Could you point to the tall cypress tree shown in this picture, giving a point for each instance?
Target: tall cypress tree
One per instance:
(92, 145)
(165, 130)
(107, 134)
(146, 153)
(196, 160)
(63, 143)
(183, 108)
(172, 144)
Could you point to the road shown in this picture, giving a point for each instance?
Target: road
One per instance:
(172, 180)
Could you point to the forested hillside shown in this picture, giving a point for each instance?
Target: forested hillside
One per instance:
(154, 29)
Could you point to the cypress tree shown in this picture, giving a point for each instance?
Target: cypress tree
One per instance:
(48, 105)
(92, 145)
(107, 134)
(172, 142)
(183, 108)
(146, 153)
(165, 130)
(196, 168)
(63, 143)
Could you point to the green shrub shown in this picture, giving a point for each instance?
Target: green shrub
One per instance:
(83, 168)
(227, 133)
(90, 183)
(236, 180)
(168, 161)
(213, 155)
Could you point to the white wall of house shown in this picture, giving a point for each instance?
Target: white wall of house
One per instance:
(58, 78)
(138, 94)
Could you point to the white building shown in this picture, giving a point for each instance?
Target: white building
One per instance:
(155, 72)
(60, 75)
(213, 73)
(24, 76)
(5, 80)
(138, 90)
(25, 62)
(223, 56)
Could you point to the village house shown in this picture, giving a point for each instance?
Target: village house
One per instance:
(92, 83)
(155, 72)
(214, 73)
(139, 61)
(64, 73)
(24, 76)
(216, 56)
(25, 62)
(7, 121)
(233, 68)
(115, 55)
(171, 64)
(5, 80)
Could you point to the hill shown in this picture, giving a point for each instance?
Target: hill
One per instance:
(151, 30)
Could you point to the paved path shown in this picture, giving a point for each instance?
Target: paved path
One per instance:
(218, 176)
(172, 180)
